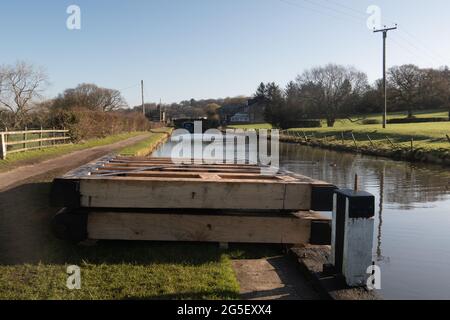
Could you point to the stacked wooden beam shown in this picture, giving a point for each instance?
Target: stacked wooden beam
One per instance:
(138, 198)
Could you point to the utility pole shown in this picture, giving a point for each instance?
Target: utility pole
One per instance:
(385, 31)
(160, 110)
(142, 95)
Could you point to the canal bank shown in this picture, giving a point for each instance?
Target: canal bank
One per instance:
(148, 146)
(388, 150)
(412, 215)
(412, 205)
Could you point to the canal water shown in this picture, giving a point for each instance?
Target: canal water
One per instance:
(412, 236)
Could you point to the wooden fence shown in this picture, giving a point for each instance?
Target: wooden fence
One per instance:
(343, 137)
(20, 141)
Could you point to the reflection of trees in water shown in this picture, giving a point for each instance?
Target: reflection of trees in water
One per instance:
(405, 184)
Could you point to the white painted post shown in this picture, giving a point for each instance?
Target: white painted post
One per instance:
(352, 235)
(3, 147)
(40, 138)
(25, 138)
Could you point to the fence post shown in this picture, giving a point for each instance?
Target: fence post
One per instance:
(25, 136)
(3, 147)
(40, 138)
(352, 235)
(389, 140)
(354, 140)
(305, 136)
(412, 145)
(371, 142)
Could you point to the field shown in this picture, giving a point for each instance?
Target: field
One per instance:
(428, 137)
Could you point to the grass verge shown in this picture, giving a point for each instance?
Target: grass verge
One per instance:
(416, 141)
(34, 156)
(121, 271)
(33, 264)
(132, 271)
(147, 146)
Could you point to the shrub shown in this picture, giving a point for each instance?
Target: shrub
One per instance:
(302, 124)
(87, 124)
(370, 121)
(416, 120)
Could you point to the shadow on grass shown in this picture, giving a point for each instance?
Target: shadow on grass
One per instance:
(26, 238)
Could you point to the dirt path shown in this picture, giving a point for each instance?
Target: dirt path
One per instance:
(272, 279)
(25, 212)
(25, 236)
(12, 178)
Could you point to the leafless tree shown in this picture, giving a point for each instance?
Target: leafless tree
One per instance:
(404, 83)
(91, 97)
(20, 86)
(330, 90)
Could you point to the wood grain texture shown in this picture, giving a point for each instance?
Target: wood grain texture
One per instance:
(290, 229)
(193, 194)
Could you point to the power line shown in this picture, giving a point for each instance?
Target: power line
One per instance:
(363, 15)
(332, 9)
(420, 46)
(418, 50)
(315, 10)
(130, 87)
(424, 47)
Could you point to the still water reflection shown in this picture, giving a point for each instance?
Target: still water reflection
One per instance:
(412, 236)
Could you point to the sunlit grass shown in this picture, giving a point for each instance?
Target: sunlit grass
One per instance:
(430, 136)
(126, 270)
(145, 147)
(33, 156)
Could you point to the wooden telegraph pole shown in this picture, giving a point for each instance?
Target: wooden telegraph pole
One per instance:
(385, 31)
(142, 96)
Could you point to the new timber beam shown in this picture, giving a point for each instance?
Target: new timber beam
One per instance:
(158, 183)
(162, 193)
(230, 227)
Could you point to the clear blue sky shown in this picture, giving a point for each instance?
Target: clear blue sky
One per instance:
(214, 48)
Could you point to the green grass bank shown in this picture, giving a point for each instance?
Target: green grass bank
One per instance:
(34, 156)
(425, 142)
(147, 146)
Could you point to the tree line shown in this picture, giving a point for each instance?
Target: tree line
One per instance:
(87, 110)
(329, 92)
(334, 92)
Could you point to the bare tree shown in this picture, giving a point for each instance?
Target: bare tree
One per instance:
(330, 90)
(20, 86)
(405, 82)
(91, 97)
